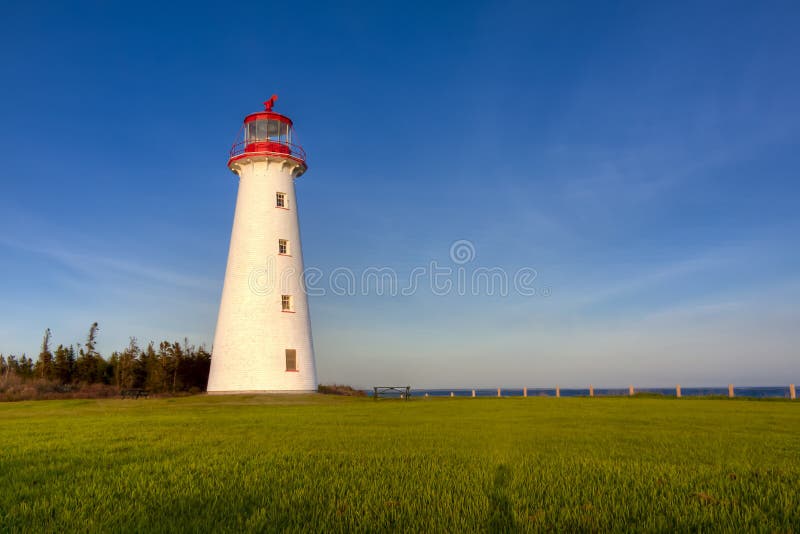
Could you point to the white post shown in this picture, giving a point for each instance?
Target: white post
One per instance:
(451, 394)
(473, 392)
(558, 392)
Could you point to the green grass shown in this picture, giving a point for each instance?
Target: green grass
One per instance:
(321, 463)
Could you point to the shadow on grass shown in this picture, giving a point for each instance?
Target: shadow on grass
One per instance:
(501, 515)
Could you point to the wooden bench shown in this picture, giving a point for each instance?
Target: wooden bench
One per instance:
(388, 392)
(134, 393)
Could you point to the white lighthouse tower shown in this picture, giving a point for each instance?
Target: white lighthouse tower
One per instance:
(263, 339)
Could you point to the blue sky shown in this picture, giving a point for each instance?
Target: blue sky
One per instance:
(641, 157)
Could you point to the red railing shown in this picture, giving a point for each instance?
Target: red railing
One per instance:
(268, 148)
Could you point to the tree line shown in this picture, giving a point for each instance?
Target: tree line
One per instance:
(170, 367)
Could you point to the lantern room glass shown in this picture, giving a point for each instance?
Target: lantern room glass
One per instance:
(269, 130)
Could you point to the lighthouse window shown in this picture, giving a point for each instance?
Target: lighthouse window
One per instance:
(271, 130)
(261, 130)
(280, 200)
(286, 303)
(291, 359)
(283, 246)
(276, 130)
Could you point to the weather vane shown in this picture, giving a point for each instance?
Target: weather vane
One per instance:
(271, 102)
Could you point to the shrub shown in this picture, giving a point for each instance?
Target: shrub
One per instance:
(338, 389)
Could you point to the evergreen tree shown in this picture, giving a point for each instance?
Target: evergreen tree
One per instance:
(25, 367)
(173, 367)
(12, 365)
(88, 368)
(84, 367)
(164, 368)
(176, 357)
(64, 362)
(71, 358)
(156, 372)
(44, 366)
(108, 369)
(140, 370)
(194, 369)
(127, 363)
(91, 339)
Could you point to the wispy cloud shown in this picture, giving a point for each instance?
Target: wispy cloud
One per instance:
(98, 266)
(646, 278)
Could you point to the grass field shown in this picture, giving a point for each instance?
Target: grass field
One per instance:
(322, 463)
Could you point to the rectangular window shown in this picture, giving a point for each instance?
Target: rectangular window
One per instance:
(283, 246)
(286, 303)
(280, 200)
(291, 359)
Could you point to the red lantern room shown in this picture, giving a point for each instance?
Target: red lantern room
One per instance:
(269, 134)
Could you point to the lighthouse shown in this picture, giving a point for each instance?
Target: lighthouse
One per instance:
(263, 338)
